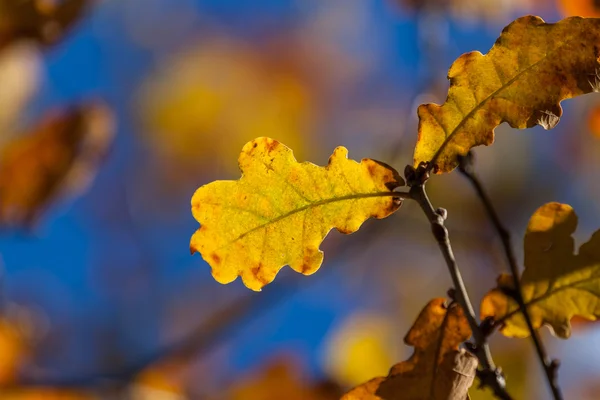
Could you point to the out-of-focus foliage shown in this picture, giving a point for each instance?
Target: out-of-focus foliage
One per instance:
(531, 68)
(212, 98)
(45, 21)
(361, 349)
(437, 370)
(557, 284)
(280, 211)
(20, 75)
(489, 10)
(594, 121)
(582, 8)
(13, 351)
(281, 379)
(158, 382)
(57, 157)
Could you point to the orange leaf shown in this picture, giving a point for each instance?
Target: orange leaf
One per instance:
(437, 370)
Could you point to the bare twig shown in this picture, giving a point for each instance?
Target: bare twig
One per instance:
(466, 167)
(489, 375)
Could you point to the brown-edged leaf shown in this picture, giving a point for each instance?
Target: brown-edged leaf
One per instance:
(280, 210)
(531, 68)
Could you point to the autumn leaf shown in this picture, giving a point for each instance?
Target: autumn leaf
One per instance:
(437, 370)
(282, 379)
(44, 21)
(59, 156)
(531, 68)
(280, 211)
(557, 284)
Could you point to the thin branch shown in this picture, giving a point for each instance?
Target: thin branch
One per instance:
(489, 375)
(466, 167)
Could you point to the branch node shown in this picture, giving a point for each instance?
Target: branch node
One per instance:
(488, 326)
(466, 163)
(442, 212)
(554, 365)
(451, 294)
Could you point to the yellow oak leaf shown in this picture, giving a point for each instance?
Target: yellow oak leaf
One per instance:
(557, 284)
(437, 370)
(280, 211)
(531, 68)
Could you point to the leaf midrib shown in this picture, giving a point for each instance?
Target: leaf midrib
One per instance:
(549, 294)
(318, 204)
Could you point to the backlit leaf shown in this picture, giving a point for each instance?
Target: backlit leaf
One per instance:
(437, 370)
(531, 68)
(44, 21)
(557, 284)
(280, 211)
(59, 156)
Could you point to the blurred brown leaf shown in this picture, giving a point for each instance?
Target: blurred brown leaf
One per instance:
(59, 156)
(45, 21)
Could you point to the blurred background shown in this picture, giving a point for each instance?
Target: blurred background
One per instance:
(113, 112)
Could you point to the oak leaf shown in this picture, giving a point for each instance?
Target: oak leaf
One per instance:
(437, 370)
(280, 211)
(45, 21)
(557, 284)
(59, 156)
(531, 68)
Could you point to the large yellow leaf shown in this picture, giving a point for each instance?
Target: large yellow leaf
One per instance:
(437, 370)
(531, 68)
(557, 284)
(280, 211)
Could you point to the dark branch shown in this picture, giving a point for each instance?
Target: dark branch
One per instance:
(466, 167)
(489, 375)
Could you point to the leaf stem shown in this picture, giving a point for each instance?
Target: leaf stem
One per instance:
(489, 375)
(466, 167)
